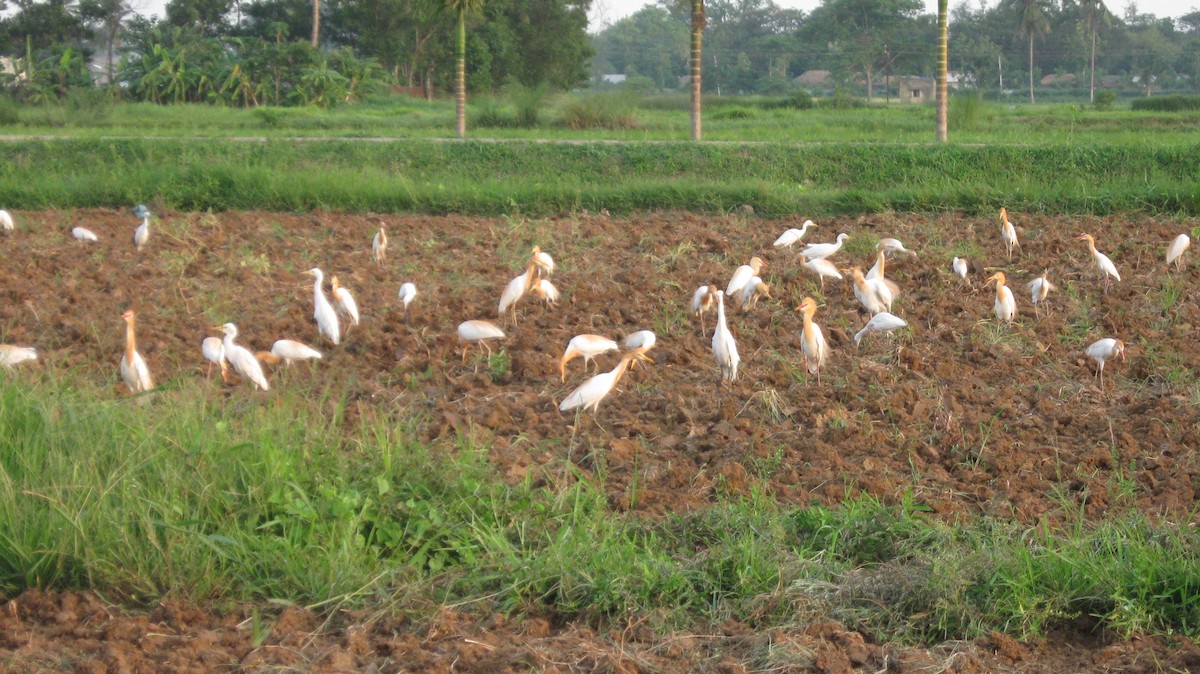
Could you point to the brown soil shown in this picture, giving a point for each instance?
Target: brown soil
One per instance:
(965, 416)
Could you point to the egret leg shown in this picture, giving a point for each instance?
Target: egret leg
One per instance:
(703, 330)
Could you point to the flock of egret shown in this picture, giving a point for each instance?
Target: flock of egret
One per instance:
(874, 291)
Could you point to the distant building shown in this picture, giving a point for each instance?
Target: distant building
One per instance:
(1064, 80)
(814, 78)
(614, 78)
(915, 89)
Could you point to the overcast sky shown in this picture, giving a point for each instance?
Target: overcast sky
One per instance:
(606, 11)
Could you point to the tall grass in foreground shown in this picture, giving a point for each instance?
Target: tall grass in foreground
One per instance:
(280, 497)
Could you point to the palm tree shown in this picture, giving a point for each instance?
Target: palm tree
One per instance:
(1033, 22)
(460, 9)
(316, 34)
(943, 92)
(108, 16)
(1094, 14)
(699, 21)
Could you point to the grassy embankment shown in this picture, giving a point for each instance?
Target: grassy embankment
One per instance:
(190, 496)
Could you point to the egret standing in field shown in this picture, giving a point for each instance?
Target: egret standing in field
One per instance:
(546, 291)
(1005, 305)
(591, 392)
(327, 320)
(1103, 350)
(723, 345)
(214, 352)
(289, 350)
(793, 235)
(703, 301)
(133, 367)
(345, 302)
(1008, 232)
(543, 263)
(587, 346)
(893, 246)
(1108, 270)
(408, 293)
(243, 362)
(515, 290)
(820, 251)
(741, 276)
(379, 245)
(14, 355)
(478, 332)
(876, 295)
(823, 268)
(6, 221)
(878, 269)
(1039, 288)
(641, 342)
(812, 341)
(880, 322)
(1175, 251)
(961, 268)
(753, 290)
(142, 234)
(84, 234)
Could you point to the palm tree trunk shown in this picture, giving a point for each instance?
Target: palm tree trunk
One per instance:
(698, 22)
(1031, 66)
(943, 91)
(1092, 86)
(316, 34)
(460, 77)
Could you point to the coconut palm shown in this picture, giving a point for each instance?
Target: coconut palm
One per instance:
(1032, 22)
(943, 56)
(1095, 14)
(460, 9)
(699, 21)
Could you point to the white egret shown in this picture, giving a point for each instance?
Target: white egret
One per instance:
(546, 291)
(591, 392)
(142, 234)
(1005, 305)
(345, 302)
(877, 270)
(133, 367)
(823, 268)
(866, 293)
(327, 320)
(1104, 349)
(1108, 270)
(880, 322)
(6, 221)
(241, 359)
(723, 345)
(742, 275)
(812, 341)
(289, 350)
(641, 342)
(820, 251)
(961, 268)
(13, 355)
(478, 332)
(84, 234)
(793, 235)
(408, 292)
(543, 263)
(890, 245)
(379, 244)
(587, 346)
(515, 290)
(703, 301)
(1175, 251)
(1039, 288)
(753, 290)
(214, 352)
(1008, 232)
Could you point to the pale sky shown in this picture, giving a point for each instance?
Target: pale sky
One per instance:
(607, 11)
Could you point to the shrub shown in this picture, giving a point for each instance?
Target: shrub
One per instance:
(965, 111)
(489, 114)
(599, 112)
(843, 101)
(735, 113)
(528, 101)
(9, 112)
(1104, 99)
(800, 99)
(1166, 103)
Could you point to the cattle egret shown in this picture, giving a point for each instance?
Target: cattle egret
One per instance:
(753, 290)
(812, 342)
(243, 362)
(84, 234)
(546, 291)
(1108, 270)
(515, 290)
(823, 268)
(142, 234)
(1008, 232)
(133, 366)
(214, 352)
(543, 263)
(6, 221)
(478, 332)
(1175, 251)
(877, 270)
(591, 392)
(1005, 305)
(703, 301)
(345, 302)
(289, 350)
(327, 320)
(13, 355)
(793, 235)
(408, 292)
(1039, 288)
(892, 246)
(880, 322)
(723, 345)
(587, 346)
(820, 251)
(379, 244)
(640, 341)
(1102, 350)
(960, 267)
(741, 276)
(875, 294)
